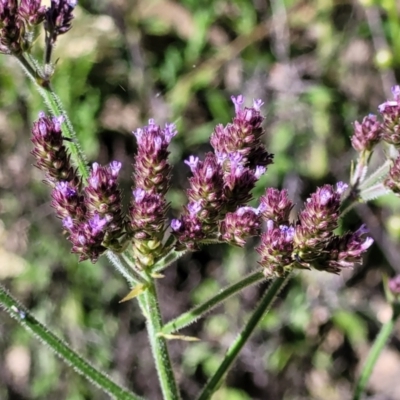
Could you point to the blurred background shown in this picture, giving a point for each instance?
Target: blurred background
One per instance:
(319, 66)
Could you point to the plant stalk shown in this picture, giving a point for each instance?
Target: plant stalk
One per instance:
(199, 311)
(53, 103)
(263, 307)
(150, 308)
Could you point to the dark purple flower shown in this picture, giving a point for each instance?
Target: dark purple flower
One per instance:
(206, 191)
(366, 134)
(152, 169)
(58, 17)
(239, 181)
(32, 11)
(344, 252)
(103, 198)
(188, 231)
(68, 202)
(276, 206)
(12, 29)
(318, 220)
(50, 153)
(87, 237)
(237, 227)
(243, 136)
(276, 249)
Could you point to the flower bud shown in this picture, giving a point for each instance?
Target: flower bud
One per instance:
(50, 153)
(276, 206)
(237, 227)
(366, 134)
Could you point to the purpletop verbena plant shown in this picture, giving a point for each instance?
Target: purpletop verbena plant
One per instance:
(141, 241)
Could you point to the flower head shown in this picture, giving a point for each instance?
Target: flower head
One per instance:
(152, 169)
(276, 206)
(103, 198)
(318, 220)
(87, 237)
(344, 251)
(243, 135)
(58, 17)
(367, 133)
(237, 227)
(276, 249)
(51, 155)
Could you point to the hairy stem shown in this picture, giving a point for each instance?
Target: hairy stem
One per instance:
(149, 304)
(54, 105)
(199, 311)
(263, 307)
(61, 349)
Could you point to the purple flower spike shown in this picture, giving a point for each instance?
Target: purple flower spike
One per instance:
(276, 250)
(317, 221)
(58, 17)
(67, 201)
(276, 206)
(152, 169)
(103, 198)
(50, 153)
(367, 133)
(32, 11)
(344, 252)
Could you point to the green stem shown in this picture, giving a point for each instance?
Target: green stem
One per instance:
(373, 355)
(263, 307)
(149, 304)
(121, 268)
(197, 312)
(61, 349)
(126, 259)
(53, 103)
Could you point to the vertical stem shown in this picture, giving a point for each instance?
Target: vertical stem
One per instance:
(149, 303)
(373, 355)
(53, 103)
(264, 305)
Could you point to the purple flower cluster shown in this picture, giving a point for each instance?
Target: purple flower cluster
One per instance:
(310, 241)
(217, 209)
(91, 214)
(372, 130)
(221, 184)
(18, 21)
(147, 213)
